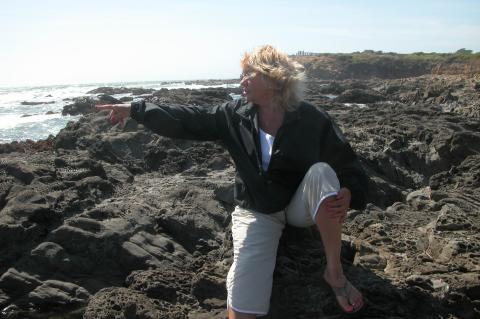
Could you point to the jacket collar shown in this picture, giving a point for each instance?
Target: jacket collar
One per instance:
(248, 109)
(293, 115)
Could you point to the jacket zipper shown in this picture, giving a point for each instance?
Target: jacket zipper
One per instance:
(256, 141)
(275, 147)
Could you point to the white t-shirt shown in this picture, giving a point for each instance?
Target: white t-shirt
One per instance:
(266, 144)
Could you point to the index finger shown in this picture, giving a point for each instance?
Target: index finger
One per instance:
(335, 201)
(105, 107)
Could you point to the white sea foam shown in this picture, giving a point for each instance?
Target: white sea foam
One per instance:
(359, 105)
(9, 121)
(28, 128)
(20, 122)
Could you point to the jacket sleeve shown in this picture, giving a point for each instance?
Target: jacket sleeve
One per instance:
(186, 122)
(340, 156)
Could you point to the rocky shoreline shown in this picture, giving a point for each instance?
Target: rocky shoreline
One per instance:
(111, 222)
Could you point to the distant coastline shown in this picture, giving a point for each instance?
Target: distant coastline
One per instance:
(34, 112)
(388, 65)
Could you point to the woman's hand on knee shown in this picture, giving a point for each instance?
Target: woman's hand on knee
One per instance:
(337, 206)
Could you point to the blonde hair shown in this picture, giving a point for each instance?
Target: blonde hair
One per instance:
(288, 75)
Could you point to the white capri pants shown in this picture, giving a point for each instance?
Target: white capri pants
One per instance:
(256, 237)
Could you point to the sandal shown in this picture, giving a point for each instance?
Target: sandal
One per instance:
(346, 292)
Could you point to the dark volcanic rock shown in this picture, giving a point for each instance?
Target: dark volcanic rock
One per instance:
(82, 105)
(28, 146)
(126, 99)
(121, 90)
(106, 99)
(204, 97)
(119, 222)
(86, 105)
(17, 283)
(331, 88)
(128, 303)
(36, 103)
(57, 293)
(359, 96)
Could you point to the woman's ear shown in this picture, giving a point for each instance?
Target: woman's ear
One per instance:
(272, 84)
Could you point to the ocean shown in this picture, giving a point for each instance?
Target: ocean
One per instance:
(35, 112)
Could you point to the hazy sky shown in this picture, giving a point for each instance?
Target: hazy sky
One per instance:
(84, 41)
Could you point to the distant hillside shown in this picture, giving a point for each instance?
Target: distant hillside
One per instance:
(377, 64)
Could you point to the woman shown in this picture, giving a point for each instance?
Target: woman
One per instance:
(293, 166)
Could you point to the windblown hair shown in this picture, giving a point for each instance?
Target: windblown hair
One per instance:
(288, 75)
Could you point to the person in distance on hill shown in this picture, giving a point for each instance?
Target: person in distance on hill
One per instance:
(293, 165)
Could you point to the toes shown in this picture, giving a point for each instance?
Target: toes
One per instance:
(348, 308)
(345, 304)
(358, 303)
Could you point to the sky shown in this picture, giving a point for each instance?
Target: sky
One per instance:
(93, 41)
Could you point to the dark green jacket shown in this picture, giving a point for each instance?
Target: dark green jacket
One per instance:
(307, 136)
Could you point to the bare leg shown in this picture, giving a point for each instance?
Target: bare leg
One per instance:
(331, 233)
(238, 315)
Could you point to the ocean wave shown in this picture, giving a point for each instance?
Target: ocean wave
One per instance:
(29, 120)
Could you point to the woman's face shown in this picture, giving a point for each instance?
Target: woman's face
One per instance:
(257, 88)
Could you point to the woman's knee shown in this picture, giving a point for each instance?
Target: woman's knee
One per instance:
(321, 169)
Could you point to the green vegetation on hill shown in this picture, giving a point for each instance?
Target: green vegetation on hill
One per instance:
(370, 63)
(461, 55)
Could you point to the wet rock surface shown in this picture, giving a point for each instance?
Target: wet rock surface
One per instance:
(111, 222)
